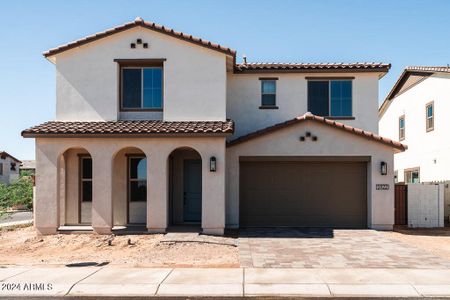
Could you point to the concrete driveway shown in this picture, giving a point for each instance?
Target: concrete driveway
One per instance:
(330, 248)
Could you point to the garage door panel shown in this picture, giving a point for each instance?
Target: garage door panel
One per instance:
(299, 193)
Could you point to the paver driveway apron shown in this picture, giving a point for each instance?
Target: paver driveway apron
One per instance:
(329, 248)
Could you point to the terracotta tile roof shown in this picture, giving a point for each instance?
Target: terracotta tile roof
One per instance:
(313, 67)
(308, 116)
(137, 128)
(423, 71)
(149, 25)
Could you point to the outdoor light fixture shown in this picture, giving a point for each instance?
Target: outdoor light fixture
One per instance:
(212, 164)
(383, 168)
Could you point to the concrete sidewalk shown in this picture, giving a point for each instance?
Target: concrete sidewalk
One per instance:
(147, 282)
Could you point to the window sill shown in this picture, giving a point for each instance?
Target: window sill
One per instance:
(268, 107)
(339, 118)
(140, 109)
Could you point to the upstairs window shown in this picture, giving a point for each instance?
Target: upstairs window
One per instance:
(1, 169)
(429, 116)
(330, 98)
(268, 92)
(401, 128)
(142, 88)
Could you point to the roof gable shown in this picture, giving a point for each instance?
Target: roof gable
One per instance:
(321, 120)
(139, 22)
(410, 77)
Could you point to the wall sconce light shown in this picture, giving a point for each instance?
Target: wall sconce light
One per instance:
(212, 164)
(383, 168)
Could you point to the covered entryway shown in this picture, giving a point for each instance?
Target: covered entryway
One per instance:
(185, 182)
(306, 193)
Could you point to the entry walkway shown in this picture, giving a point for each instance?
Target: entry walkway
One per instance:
(149, 282)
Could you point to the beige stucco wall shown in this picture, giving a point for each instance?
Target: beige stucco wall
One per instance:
(244, 100)
(331, 142)
(102, 151)
(430, 151)
(87, 78)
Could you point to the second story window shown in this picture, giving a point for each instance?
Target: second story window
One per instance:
(142, 88)
(429, 116)
(401, 128)
(268, 92)
(330, 98)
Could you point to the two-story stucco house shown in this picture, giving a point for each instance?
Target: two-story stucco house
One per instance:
(160, 128)
(414, 112)
(9, 167)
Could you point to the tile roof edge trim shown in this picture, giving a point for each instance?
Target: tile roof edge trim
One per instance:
(328, 122)
(148, 25)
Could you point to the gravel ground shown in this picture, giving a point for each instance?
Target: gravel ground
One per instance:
(22, 246)
(435, 241)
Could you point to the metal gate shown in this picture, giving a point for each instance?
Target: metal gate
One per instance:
(401, 204)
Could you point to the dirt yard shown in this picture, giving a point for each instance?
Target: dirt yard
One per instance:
(23, 247)
(435, 241)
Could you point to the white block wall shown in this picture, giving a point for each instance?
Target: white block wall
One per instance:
(426, 205)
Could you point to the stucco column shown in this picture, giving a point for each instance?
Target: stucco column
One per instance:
(102, 214)
(213, 190)
(46, 209)
(157, 192)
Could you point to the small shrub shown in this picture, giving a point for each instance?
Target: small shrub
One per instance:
(18, 193)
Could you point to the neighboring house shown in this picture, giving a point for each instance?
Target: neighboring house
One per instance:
(160, 128)
(28, 166)
(9, 167)
(415, 113)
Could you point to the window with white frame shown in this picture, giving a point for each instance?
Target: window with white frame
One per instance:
(429, 116)
(86, 179)
(137, 179)
(401, 128)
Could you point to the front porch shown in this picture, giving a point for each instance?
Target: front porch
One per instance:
(109, 185)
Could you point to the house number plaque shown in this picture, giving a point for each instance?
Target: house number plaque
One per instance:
(382, 187)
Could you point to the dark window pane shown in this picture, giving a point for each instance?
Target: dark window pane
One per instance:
(341, 98)
(86, 192)
(138, 191)
(268, 87)
(87, 168)
(430, 111)
(268, 100)
(152, 88)
(318, 97)
(138, 168)
(131, 88)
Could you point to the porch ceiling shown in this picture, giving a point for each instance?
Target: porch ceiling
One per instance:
(129, 128)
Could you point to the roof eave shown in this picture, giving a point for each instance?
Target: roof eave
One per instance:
(139, 22)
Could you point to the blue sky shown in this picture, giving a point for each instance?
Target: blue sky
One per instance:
(403, 33)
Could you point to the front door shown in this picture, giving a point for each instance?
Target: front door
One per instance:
(192, 205)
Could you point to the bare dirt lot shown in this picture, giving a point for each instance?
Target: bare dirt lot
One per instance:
(435, 241)
(23, 247)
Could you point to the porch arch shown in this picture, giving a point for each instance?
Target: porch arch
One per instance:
(129, 186)
(75, 186)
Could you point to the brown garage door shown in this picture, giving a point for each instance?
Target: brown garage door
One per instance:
(306, 194)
